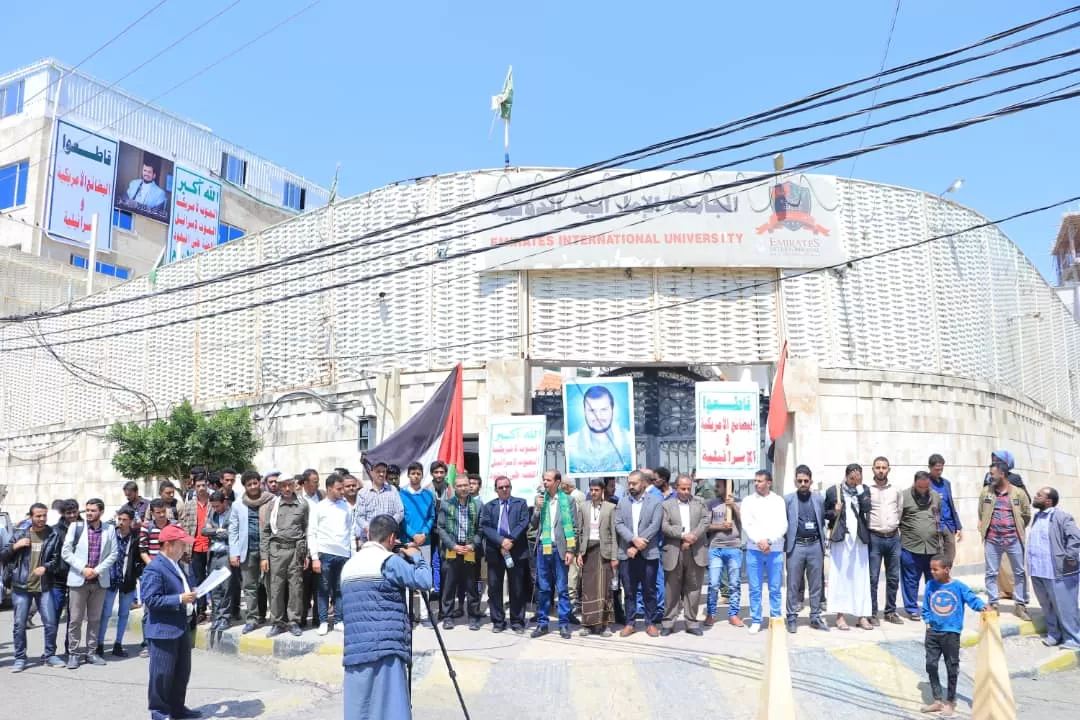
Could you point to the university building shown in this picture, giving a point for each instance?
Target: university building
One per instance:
(71, 146)
(912, 326)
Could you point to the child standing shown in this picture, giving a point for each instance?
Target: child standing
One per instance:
(943, 613)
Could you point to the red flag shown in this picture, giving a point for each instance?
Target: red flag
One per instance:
(777, 421)
(452, 447)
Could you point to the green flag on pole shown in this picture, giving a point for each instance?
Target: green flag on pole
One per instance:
(503, 105)
(504, 101)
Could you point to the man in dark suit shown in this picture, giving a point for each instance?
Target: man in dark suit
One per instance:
(804, 546)
(504, 523)
(169, 600)
(637, 523)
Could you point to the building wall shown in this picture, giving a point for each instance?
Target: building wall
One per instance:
(93, 105)
(845, 415)
(838, 416)
(31, 284)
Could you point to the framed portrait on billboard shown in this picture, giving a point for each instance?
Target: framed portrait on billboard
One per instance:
(144, 183)
(598, 426)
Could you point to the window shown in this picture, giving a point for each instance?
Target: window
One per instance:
(11, 99)
(13, 184)
(227, 233)
(102, 268)
(295, 197)
(233, 169)
(365, 433)
(122, 219)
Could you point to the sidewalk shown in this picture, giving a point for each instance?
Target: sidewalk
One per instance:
(721, 641)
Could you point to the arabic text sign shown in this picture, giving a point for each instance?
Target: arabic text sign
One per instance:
(514, 447)
(794, 223)
(196, 203)
(728, 429)
(82, 184)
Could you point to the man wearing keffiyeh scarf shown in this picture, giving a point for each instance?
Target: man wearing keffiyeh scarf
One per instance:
(557, 519)
(459, 536)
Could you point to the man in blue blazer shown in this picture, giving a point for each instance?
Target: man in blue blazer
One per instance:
(504, 523)
(804, 546)
(168, 597)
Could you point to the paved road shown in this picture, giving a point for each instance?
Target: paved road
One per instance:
(544, 679)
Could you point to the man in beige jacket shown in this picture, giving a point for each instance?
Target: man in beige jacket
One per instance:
(686, 555)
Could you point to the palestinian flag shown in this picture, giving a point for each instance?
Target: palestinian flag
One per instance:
(435, 432)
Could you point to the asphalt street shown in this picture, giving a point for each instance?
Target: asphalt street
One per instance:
(544, 681)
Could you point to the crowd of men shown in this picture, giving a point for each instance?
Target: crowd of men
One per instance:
(609, 558)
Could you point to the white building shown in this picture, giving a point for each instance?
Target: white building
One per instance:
(60, 129)
(1067, 261)
(954, 345)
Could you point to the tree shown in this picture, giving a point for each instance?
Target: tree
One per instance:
(168, 448)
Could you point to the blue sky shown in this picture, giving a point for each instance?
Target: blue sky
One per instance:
(399, 90)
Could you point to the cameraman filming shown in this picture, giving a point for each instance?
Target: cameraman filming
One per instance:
(375, 585)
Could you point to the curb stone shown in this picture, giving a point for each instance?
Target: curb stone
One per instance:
(231, 642)
(970, 638)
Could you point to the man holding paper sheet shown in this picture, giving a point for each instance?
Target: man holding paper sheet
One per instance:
(169, 600)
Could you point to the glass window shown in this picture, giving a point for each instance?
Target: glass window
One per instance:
(11, 99)
(102, 268)
(233, 169)
(228, 233)
(122, 219)
(294, 196)
(13, 184)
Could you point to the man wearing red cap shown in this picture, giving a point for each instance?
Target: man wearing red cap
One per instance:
(169, 600)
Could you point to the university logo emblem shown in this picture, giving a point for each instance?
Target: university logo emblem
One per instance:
(792, 209)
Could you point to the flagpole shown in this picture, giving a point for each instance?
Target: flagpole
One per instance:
(506, 142)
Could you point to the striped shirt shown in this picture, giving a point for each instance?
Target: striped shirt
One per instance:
(149, 540)
(372, 502)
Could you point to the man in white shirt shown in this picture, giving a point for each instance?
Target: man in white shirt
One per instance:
(329, 539)
(764, 521)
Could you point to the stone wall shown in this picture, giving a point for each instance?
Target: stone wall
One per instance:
(840, 416)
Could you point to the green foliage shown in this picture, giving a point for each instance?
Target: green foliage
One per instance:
(167, 448)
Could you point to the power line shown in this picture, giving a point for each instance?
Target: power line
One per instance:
(143, 105)
(708, 296)
(131, 72)
(1008, 110)
(884, 59)
(738, 185)
(329, 250)
(85, 60)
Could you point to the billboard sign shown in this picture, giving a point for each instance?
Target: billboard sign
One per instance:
(514, 446)
(83, 176)
(792, 223)
(728, 429)
(196, 204)
(144, 183)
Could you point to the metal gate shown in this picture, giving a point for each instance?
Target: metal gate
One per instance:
(663, 420)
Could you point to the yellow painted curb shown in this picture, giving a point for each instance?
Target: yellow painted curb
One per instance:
(1024, 628)
(258, 646)
(330, 649)
(1065, 661)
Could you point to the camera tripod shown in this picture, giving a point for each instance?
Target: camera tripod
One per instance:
(426, 598)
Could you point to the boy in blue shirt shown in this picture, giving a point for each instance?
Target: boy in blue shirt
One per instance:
(943, 613)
